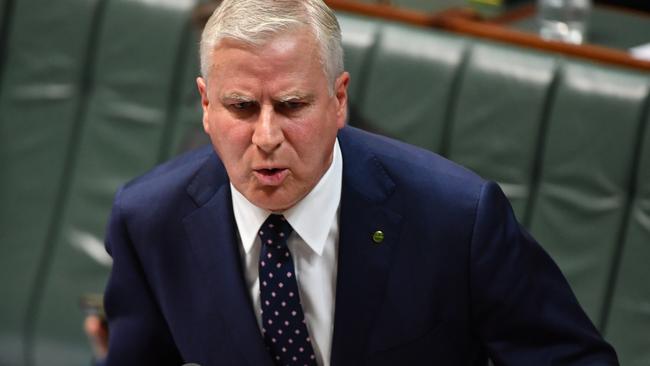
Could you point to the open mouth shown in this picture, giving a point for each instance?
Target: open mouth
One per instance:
(271, 176)
(269, 172)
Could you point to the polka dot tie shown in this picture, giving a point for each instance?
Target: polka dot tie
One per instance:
(283, 322)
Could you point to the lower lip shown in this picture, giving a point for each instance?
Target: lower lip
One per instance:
(274, 179)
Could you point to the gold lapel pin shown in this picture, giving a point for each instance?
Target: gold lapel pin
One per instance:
(378, 236)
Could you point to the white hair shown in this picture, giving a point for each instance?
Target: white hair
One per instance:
(257, 21)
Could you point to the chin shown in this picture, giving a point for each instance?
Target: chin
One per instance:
(273, 201)
(275, 206)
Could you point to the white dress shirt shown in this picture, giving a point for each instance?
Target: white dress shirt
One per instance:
(313, 246)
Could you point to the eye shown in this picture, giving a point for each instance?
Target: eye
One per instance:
(291, 105)
(241, 106)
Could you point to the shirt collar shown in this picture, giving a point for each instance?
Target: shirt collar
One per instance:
(311, 218)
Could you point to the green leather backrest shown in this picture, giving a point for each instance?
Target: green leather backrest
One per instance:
(185, 130)
(40, 98)
(628, 322)
(587, 163)
(126, 129)
(409, 83)
(359, 37)
(498, 114)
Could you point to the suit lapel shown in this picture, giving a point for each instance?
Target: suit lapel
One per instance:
(211, 230)
(363, 264)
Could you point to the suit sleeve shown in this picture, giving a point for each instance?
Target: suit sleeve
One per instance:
(525, 310)
(138, 333)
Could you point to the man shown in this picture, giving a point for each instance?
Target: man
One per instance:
(296, 240)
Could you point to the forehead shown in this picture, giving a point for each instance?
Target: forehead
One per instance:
(280, 47)
(292, 54)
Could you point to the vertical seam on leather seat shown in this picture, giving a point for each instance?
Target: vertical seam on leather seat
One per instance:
(175, 92)
(5, 30)
(540, 148)
(53, 231)
(628, 204)
(450, 106)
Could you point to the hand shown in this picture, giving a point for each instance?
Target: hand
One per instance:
(97, 333)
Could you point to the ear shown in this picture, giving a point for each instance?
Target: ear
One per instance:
(205, 102)
(341, 94)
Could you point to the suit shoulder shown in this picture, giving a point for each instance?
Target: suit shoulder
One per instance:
(166, 180)
(416, 168)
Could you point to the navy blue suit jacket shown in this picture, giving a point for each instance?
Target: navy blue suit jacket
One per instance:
(455, 280)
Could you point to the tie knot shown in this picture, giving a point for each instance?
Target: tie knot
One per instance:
(275, 230)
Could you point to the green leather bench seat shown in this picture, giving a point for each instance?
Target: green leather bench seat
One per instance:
(406, 87)
(125, 130)
(95, 92)
(498, 115)
(628, 322)
(587, 163)
(40, 99)
(86, 102)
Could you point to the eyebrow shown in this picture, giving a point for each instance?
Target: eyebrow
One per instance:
(237, 97)
(292, 96)
(296, 96)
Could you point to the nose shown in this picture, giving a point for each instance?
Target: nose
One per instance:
(268, 135)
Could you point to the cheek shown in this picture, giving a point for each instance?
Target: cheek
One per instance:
(232, 135)
(239, 135)
(312, 142)
(231, 140)
(312, 131)
(303, 138)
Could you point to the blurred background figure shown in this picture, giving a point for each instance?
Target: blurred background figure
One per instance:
(95, 328)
